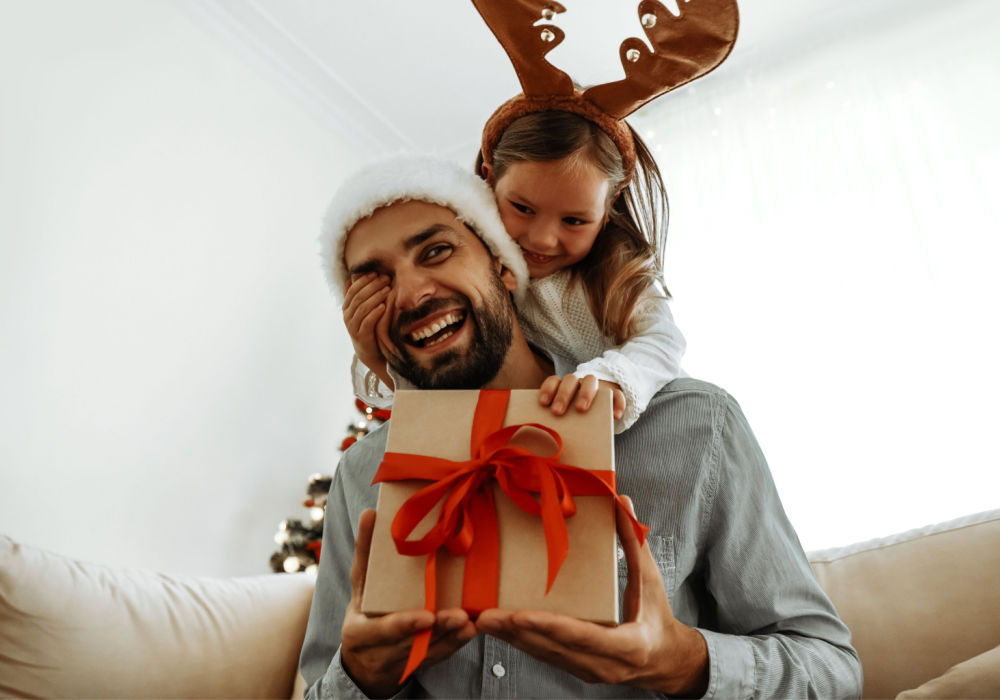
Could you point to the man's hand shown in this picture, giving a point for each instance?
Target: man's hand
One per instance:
(373, 650)
(559, 392)
(650, 650)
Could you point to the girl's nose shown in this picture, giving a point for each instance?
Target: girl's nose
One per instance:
(543, 236)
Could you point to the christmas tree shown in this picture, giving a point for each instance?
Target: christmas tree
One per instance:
(300, 540)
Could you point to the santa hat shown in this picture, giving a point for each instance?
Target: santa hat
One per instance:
(424, 178)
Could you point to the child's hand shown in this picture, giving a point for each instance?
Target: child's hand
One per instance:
(364, 306)
(559, 393)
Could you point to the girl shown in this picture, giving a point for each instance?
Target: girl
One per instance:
(588, 226)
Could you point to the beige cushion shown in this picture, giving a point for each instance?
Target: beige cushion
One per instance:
(979, 677)
(920, 602)
(74, 629)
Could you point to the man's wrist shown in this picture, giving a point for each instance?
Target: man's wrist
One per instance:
(690, 679)
(378, 688)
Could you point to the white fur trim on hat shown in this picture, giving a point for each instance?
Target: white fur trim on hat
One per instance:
(424, 178)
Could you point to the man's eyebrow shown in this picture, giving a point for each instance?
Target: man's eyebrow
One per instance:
(363, 268)
(409, 244)
(418, 238)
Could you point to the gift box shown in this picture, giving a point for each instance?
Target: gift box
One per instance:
(446, 425)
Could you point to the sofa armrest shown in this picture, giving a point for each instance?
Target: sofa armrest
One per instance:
(74, 629)
(919, 602)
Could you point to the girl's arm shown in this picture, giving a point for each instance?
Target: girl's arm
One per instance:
(645, 363)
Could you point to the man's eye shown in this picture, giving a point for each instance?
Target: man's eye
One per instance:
(437, 253)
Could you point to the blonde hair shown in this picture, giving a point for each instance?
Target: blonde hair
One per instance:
(626, 258)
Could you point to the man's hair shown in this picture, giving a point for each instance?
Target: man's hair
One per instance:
(412, 177)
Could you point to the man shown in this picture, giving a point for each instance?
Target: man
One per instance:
(719, 602)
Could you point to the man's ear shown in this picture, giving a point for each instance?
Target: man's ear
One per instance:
(506, 276)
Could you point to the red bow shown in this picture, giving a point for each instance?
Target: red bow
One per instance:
(467, 524)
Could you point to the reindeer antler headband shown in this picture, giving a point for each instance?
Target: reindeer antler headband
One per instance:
(684, 48)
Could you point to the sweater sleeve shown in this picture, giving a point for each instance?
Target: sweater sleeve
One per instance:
(368, 387)
(643, 364)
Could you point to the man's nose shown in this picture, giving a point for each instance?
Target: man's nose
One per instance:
(413, 287)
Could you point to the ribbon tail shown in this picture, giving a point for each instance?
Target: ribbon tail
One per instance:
(418, 652)
(554, 526)
(422, 640)
(638, 528)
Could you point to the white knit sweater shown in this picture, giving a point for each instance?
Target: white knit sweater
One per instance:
(555, 316)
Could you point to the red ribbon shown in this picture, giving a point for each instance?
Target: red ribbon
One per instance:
(467, 523)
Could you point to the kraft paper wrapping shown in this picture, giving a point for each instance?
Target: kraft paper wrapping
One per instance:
(438, 424)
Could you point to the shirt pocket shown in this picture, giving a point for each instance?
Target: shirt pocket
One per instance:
(662, 549)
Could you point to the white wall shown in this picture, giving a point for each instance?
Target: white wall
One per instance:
(833, 251)
(172, 367)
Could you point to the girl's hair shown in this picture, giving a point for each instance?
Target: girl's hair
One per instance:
(626, 258)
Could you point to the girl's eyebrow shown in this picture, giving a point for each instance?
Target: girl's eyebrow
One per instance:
(525, 201)
(409, 244)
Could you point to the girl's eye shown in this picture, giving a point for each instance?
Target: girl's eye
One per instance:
(437, 253)
(521, 208)
(573, 221)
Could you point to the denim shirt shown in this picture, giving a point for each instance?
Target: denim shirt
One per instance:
(731, 562)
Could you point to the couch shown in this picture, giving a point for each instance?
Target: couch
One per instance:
(923, 606)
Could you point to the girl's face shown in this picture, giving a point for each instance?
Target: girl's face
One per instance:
(552, 209)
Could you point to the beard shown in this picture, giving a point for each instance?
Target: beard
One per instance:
(476, 365)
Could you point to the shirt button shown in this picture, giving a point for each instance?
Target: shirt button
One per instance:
(621, 553)
(499, 671)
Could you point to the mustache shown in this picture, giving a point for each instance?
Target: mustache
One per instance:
(405, 318)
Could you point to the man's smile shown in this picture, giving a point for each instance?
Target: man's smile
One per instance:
(430, 333)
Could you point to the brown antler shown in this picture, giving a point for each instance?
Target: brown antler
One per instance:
(513, 24)
(684, 48)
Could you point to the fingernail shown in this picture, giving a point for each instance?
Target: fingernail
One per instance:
(557, 407)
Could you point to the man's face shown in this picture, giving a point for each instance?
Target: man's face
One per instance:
(451, 317)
